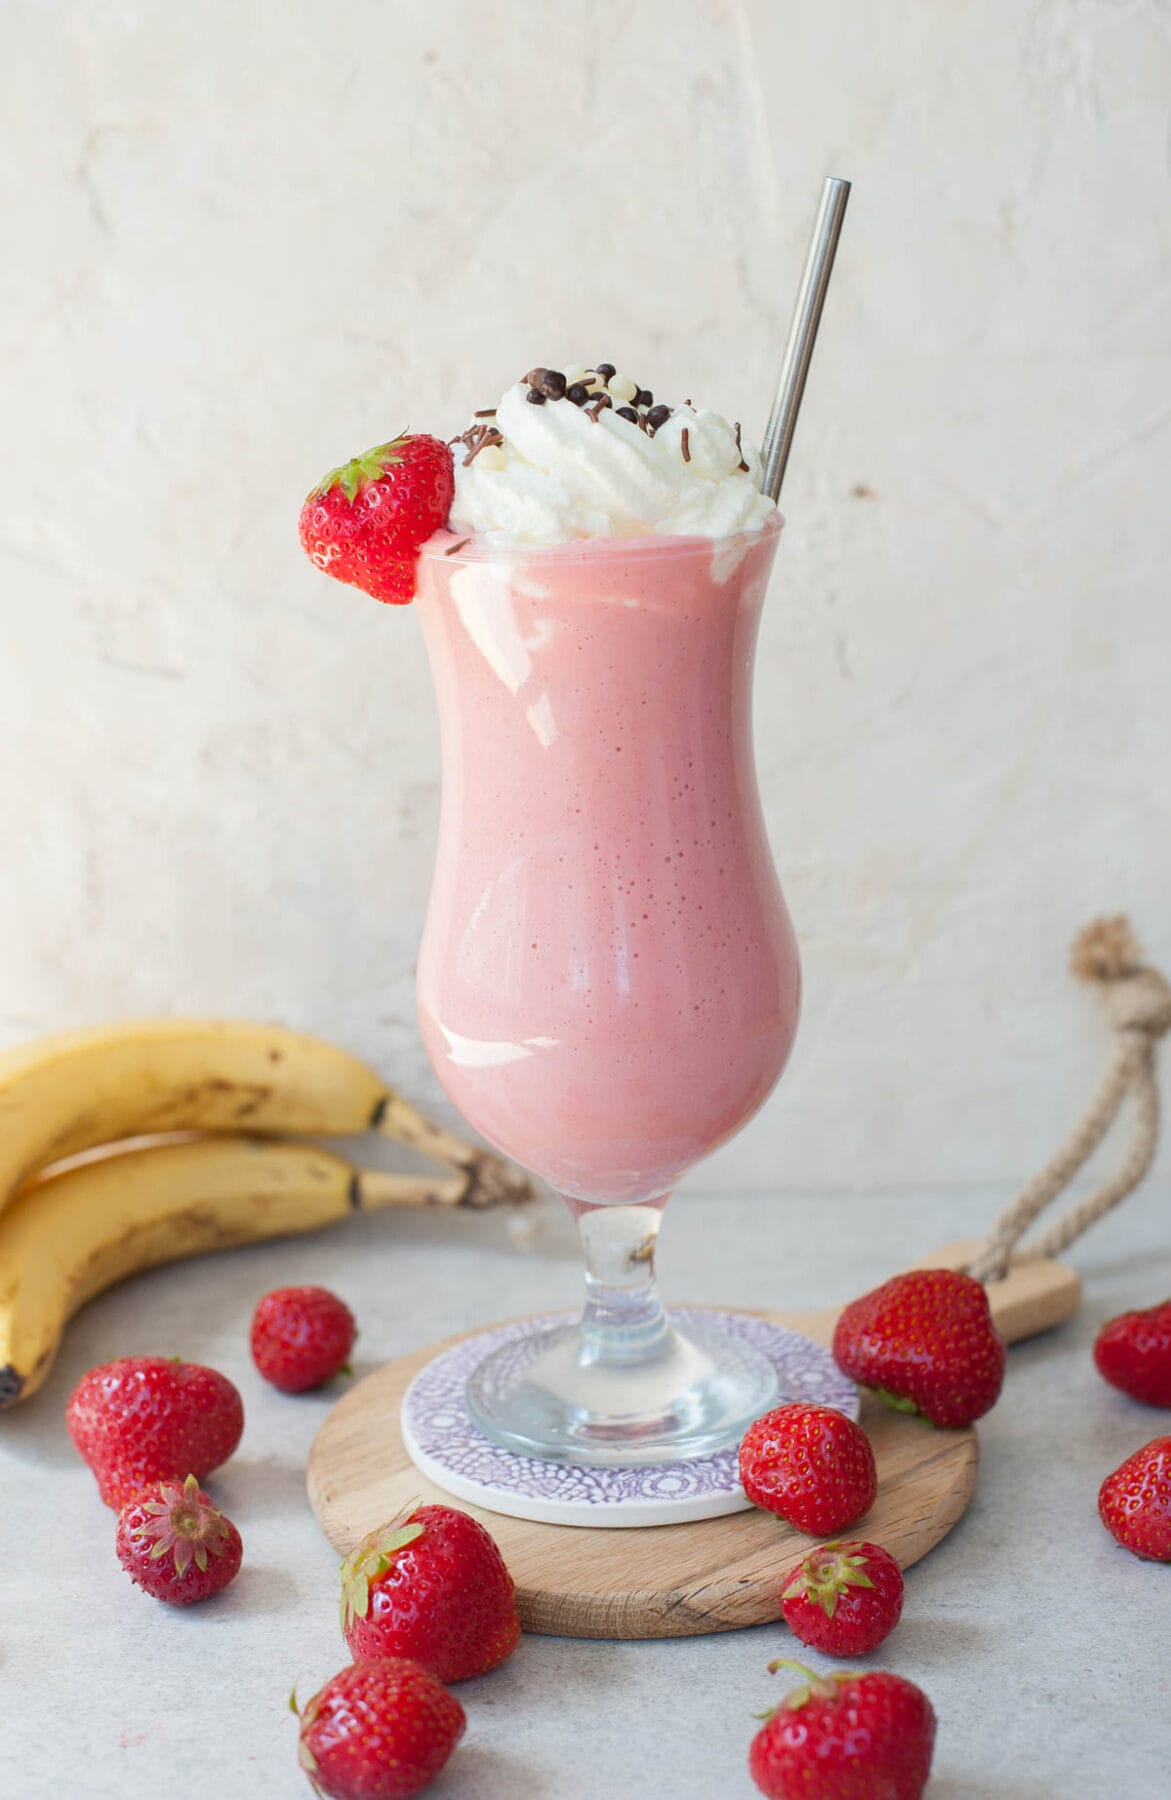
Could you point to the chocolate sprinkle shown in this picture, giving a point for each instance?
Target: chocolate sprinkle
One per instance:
(488, 412)
(477, 438)
(597, 406)
(736, 429)
(452, 548)
(685, 444)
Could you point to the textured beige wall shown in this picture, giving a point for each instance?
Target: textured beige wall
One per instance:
(244, 239)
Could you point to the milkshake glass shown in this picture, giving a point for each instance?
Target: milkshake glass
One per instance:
(608, 982)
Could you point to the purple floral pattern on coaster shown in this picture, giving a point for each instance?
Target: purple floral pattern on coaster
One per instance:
(436, 1424)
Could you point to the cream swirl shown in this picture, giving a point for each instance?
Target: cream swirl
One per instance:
(562, 473)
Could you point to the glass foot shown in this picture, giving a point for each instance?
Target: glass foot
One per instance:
(567, 1397)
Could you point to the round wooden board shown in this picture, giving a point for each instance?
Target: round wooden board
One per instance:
(676, 1580)
(655, 1581)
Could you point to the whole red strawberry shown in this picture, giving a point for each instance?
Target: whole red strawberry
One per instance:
(430, 1584)
(379, 1731)
(174, 1543)
(1134, 1503)
(926, 1343)
(152, 1418)
(810, 1464)
(301, 1337)
(843, 1599)
(365, 522)
(847, 1737)
(1133, 1352)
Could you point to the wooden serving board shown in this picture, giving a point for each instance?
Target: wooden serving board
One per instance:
(676, 1580)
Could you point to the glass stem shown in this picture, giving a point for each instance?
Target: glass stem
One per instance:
(623, 1324)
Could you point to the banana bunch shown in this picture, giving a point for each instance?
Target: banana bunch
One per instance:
(226, 1089)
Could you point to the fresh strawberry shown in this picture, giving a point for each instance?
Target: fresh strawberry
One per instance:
(152, 1418)
(810, 1464)
(365, 522)
(378, 1731)
(431, 1584)
(1133, 1352)
(843, 1599)
(1135, 1502)
(301, 1337)
(174, 1543)
(845, 1737)
(926, 1343)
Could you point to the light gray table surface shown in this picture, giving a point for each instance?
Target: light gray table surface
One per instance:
(1045, 1648)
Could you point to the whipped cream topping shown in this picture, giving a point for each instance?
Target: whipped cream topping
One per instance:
(547, 471)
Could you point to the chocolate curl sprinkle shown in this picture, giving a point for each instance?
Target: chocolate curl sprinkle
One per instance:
(477, 438)
(685, 444)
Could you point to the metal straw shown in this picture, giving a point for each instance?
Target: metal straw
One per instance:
(782, 421)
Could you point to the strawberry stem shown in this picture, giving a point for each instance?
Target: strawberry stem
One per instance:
(787, 1662)
(815, 1686)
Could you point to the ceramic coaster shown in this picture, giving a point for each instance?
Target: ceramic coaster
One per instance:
(444, 1444)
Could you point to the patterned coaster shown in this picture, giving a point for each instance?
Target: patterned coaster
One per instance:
(444, 1444)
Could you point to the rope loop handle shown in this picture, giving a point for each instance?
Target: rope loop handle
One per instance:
(1137, 1001)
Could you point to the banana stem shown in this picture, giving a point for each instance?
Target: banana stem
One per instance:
(373, 1188)
(490, 1181)
(400, 1120)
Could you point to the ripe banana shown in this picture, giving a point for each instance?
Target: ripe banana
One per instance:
(77, 1232)
(62, 1095)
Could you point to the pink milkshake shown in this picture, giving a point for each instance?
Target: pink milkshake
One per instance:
(608, 981)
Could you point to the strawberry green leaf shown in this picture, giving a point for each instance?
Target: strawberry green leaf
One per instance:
(898, 1401)
(370, 1559)
(352, 477)
(355, 1598)
(388, 1547)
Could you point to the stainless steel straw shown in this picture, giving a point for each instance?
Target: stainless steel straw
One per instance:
(782, 421)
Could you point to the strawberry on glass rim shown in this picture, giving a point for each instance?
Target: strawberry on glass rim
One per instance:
(365, 523)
